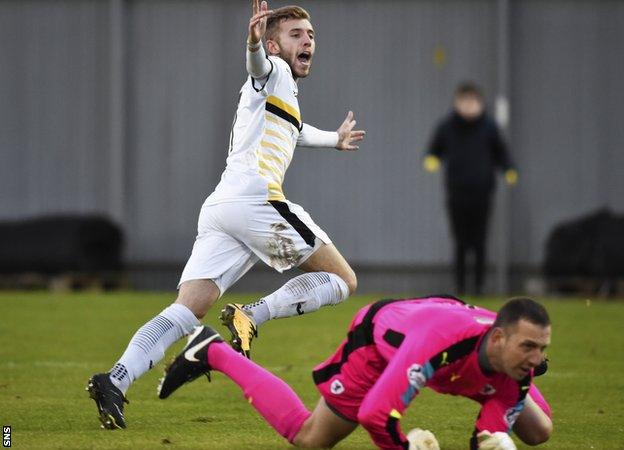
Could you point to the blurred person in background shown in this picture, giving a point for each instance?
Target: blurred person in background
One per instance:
(469, 144)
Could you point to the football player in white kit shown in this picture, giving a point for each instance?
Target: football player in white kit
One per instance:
(247, 217)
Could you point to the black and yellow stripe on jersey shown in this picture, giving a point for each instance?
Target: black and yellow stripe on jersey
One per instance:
(284, 111)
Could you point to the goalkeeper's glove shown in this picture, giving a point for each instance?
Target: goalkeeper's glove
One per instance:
(495, 441)
(422, 440)
(431, 163)
(511, 177)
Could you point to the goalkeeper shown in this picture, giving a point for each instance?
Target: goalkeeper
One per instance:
(394, 349)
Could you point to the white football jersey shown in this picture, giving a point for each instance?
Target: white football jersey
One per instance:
(263, 138)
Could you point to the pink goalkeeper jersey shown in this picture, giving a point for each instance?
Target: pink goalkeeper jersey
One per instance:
(433, 342)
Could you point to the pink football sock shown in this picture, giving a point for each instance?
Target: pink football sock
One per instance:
(271, 396)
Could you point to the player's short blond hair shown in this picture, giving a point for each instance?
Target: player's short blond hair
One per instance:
(280, 15)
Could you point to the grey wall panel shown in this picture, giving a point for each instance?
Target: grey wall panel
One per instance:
(188, 65)
(187, 62)
(378, 204)
(567, 100)
(181, 64)
(53, 115)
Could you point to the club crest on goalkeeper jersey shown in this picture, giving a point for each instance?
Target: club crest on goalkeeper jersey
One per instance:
(263, 138)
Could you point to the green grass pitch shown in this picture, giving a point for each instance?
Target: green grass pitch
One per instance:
(51, 343)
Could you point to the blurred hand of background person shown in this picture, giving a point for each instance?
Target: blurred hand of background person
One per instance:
(431, 163)
(511, 177)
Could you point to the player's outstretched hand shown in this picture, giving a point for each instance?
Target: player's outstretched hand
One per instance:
(495, 441)
(347, 135)
(257, 23)
(422, 440)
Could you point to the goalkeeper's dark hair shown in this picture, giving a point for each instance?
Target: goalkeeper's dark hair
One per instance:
(520, 308)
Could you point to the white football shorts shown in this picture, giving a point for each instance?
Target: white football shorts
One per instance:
(232, 236)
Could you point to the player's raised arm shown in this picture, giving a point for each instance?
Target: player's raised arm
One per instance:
(257, 23)
(258, 66)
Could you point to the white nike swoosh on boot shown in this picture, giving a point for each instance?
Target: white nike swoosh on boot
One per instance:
(189, 355)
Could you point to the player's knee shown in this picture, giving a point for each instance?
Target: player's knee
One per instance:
(313, 442)
(198, 300)
(309, 437)
(351, 281)
(198, 308)
(539, 434)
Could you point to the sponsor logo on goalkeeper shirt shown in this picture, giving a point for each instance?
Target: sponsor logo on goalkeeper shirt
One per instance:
(512, 414)
(416, 376)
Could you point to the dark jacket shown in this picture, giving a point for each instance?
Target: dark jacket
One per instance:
(471, 151)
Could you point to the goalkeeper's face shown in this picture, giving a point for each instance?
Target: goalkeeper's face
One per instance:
(295, 44)
(522, 348)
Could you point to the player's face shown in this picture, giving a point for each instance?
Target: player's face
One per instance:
(469, 106)
(522, 348)
(296, 45)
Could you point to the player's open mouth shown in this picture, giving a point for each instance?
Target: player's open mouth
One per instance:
(304, 57)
